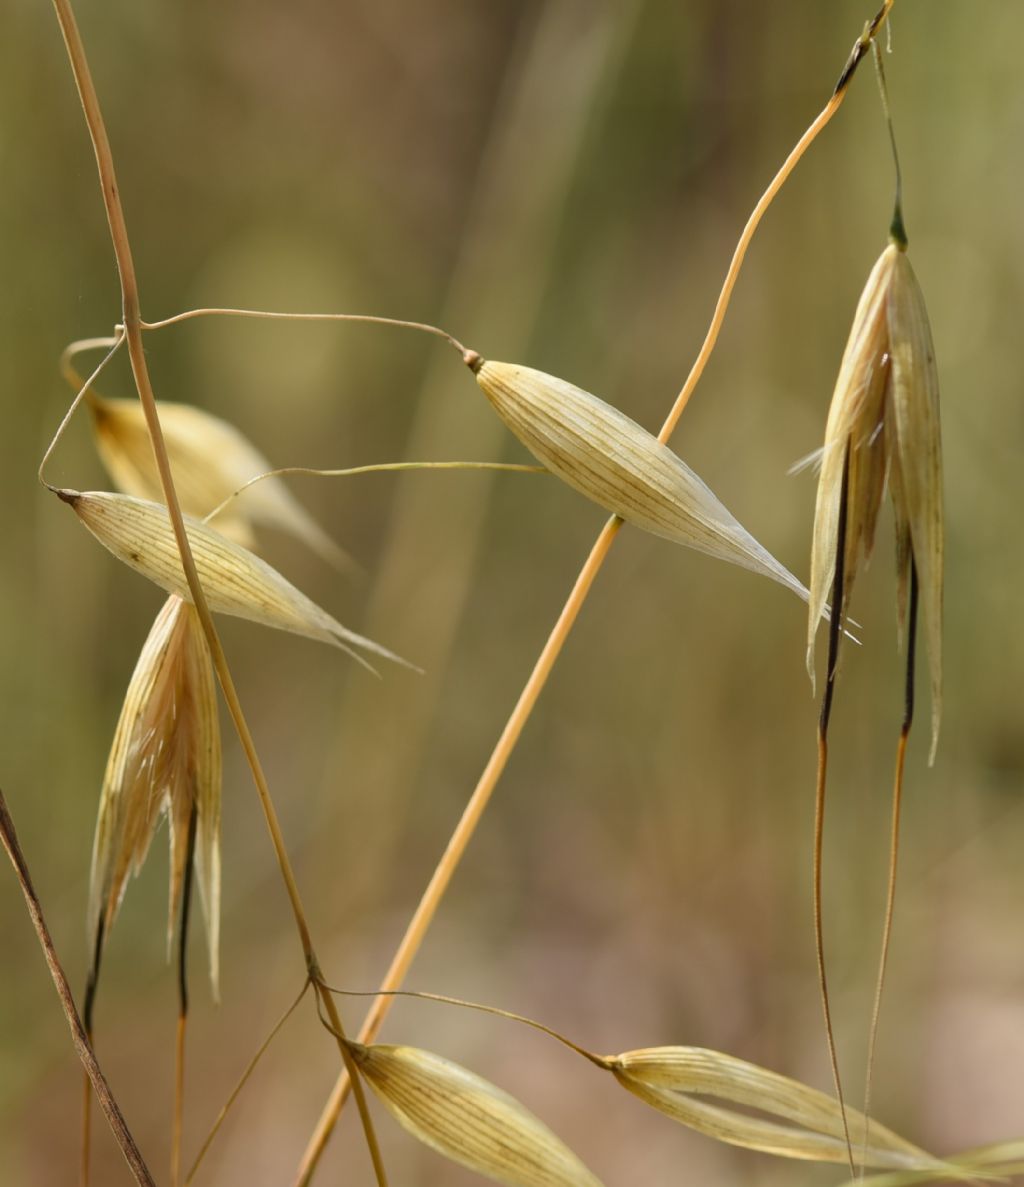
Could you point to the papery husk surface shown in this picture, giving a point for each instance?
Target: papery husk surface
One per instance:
(469, 1120)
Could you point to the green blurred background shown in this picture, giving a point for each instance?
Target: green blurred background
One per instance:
(559, 184)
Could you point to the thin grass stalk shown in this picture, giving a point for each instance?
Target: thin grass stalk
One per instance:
(270, 315)
(835, 631)
(431, 898)
(605, 1062)
(241, 1083)
(179, 1046)
(114, 344)
(894, 840)
(83, 1048)
(88, 1005)
(132, 327)
(375, 468)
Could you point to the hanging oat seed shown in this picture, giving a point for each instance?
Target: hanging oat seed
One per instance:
(884, 422)
(467, 1119)
(234, 580)
(792, 1121)
(165, 761)
(617, 464)
(883, 428)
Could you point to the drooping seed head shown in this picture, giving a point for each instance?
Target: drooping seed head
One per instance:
(792, 1119)
(235, 581)
(883, 425)
(165, 761)
(468, 1119)
(609, 458)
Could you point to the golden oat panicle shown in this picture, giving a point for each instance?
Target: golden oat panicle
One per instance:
(210, 460)
(468, 1119)
(165, 760)
(612, 460)
(235, 581)
(792, 1121)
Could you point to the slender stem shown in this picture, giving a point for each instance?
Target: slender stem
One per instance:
(894, 841)
(91, 984)
(84, 389)
(738, 256)
(377, 468)
(80, 346)
(835, 631)
(863, 44)
(273, 315)
(478, 801)
(132, 327)
(118, 1126)
(601, 1061)
(179, 1047)
(242, 1081)
(897, 229)
(463, 833)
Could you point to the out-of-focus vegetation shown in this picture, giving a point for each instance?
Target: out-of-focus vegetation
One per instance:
(559, 184)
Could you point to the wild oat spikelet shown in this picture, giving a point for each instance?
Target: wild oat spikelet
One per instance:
(165, 760)
(468, 1119)
(616, 463)
(793, 1121)
(235, 581)
(884, 423)
(210, 460)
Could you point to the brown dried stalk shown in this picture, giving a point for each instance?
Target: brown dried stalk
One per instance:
(108, 1104)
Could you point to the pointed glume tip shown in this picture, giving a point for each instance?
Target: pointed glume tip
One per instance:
(70, 497)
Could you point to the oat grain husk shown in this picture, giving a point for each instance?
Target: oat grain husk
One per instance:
(235, 581)
(883, 428)
(165, 760)
(795, 1121)
(609, 458)
(467, 1119)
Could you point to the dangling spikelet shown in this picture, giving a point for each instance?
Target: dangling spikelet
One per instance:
(884, 422)
(210, 460)
(235, 581)
(467, 1119)
(165, 760)
(617, 464)
(798, 1122)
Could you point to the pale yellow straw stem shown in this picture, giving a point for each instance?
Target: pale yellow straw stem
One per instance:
(506, 743)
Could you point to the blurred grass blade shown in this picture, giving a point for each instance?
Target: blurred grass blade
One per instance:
(619, 465)
(799, 1122)
(210, 460)
(469, 1120)
(235, 580)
